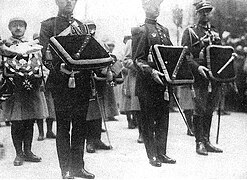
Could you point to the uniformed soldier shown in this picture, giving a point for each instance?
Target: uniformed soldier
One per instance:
(94, 116)
(71, 104)
(4, 51)
(197, 38)
(50, 106)
(109, 96)
(24, 106)
(153, 95)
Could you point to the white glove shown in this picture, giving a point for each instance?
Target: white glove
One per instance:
(156, 76)
(201, 70)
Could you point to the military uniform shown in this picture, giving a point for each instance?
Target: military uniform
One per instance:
(207, 92)
(24, 106)
(154, 108)
(71, 104)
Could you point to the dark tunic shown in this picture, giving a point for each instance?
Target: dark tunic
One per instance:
(71, 104)
(206, 91)
(205, 102)
(65, 98)
(154, 108)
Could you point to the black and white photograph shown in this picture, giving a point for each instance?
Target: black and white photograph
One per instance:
(123, 89)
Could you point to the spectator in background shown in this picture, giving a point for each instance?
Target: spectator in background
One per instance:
(50, 105)
(187, 104)
(109, 99)
(130, 102)
(234, 95)
(94, 116)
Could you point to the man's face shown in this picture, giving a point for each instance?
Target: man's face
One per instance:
(92, 29)
(152, 12)
(66, 6)
(111, 47)
(204, 16)
(17, 28)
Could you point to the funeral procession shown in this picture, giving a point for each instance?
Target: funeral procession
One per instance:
(123, 89)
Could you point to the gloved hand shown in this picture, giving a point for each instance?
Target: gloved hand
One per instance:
(201, 70)
(156, 76)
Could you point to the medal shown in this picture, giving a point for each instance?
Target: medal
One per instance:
(153, 34)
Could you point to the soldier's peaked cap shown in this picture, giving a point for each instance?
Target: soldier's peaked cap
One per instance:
(149, 3)
(17, 19)
(203, 5)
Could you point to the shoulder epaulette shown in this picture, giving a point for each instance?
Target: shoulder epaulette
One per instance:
(137, 30)
(48, 20)
(163, 27)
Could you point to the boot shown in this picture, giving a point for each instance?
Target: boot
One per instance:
(100, 145)
(97, 136)
(28, 138)
(206, 126)
(139, 125)
(211, 148)
(19, 159)
(189, 114)
(49, 133)
(135, 118)
(90, 147)
(17, 133)
(200, 148)
(82, 173)
(41, 129)
(140, 138)
(131, 124)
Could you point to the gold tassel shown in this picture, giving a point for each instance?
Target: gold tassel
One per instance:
(93, 92)
(201, 54)
(210, 87)
(48, 54)
(193, 91)
(71, 83)
(150, 57)
(109, 75)
(166, 94)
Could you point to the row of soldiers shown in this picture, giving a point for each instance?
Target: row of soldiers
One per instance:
(152, 94)
(72, 105)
